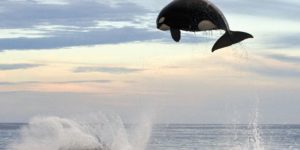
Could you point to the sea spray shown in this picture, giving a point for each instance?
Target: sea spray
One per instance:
(90, 132)
(141, 132)
(252, 139)
(256, 141)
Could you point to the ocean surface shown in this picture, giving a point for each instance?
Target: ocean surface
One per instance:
(63, 134)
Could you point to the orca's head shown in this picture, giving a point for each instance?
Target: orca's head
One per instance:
(167, 16)
(161, 23)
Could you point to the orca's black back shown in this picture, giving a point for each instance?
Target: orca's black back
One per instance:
(187, 14)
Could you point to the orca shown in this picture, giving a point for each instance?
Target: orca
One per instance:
(197, 15)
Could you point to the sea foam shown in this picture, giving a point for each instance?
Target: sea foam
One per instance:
(91, 132)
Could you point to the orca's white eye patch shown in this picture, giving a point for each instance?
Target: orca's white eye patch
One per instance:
(161, 20)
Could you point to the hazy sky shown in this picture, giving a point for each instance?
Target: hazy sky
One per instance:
(68, 57)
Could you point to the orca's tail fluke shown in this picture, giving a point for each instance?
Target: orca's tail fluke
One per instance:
(229, 38)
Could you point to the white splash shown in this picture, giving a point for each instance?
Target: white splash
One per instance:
(254, 141)
(92, 132)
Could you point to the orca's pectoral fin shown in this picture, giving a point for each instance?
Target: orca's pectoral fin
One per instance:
(175, 34)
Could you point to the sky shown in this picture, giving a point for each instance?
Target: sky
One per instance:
(68, 57)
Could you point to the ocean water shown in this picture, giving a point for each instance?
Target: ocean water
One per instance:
(100, 132)
(225, 137)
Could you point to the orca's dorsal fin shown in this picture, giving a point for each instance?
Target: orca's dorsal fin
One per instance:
(175, 33)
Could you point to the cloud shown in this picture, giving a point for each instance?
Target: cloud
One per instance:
(76, 23)
(18, 66)
(78, 38)
(284, 58)
(261, 65)
(95, 37)
(67, 23)
(84, 81)
(24, 14)
(284, 41)
(284, 9)
(7, 83)
(57, 82)
(17, 83)
(269, 8)
(111, 70)
(273, 71)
